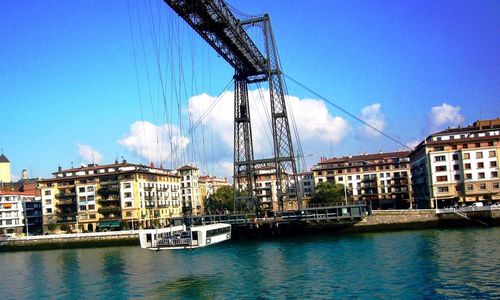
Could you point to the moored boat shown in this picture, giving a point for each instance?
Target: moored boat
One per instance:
(180, 237)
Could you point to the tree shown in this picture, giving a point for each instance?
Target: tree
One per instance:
(52, 227)
(221, 199)
(328, 193)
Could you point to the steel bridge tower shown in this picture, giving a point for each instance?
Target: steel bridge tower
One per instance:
(215, 23)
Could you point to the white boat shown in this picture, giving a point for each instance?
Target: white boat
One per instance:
(180, 237)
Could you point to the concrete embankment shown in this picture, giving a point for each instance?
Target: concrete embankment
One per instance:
(105, 239)
(386, 220)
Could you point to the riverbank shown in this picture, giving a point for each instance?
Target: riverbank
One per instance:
(64, 241)
(383, 220)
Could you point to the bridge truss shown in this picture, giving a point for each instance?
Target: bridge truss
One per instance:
(216, 24)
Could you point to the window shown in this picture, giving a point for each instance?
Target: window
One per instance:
(83, 207)
(496, 185)
(478, 145)
(440, 158)
(442, 178)
(479, 154)
(127, 195)
(465, 146)
(466, 155)
(493, 164)
(47, 193)
(456, 167)
(49, 210)
(494, 174)
(455, 156)
(438, 148)
(90, 189)
(127, 185)
(440, 168)
(469, 187)
(91, 198)
(457, 177)
(480, 175)
(492, 153)
(454, 147)
(480, 165)
(443, 189)
(82, 198)
(467, 166)
(128, 214)
(48, 202)
(81, 189)
(468, 176)
(458, 188)
(482, 186)
(91, 206)
(92, 216)
(128, 204)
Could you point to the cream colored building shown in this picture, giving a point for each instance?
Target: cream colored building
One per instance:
(110, 197)
(191, 196)
(458, 166)
(382, 179)
(5, 176)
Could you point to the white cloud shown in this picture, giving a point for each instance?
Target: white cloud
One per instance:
(88, 154)
(154, 143)
(371, 114)
(413, 144)
(442, 116)
(316, 126)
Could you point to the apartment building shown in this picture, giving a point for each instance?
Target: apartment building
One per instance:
(110, 197)
(192, 202)
(20, 212)
(306, 184)
(458, 166)
(382, 179)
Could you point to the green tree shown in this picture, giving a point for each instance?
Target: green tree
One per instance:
(221, 199)
(328, 193)
(52, 227)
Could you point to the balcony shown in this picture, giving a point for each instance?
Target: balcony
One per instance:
(66, 202)
(109, 209)
(109, 190)
(66, 194)
(66, 213)
(109, 199)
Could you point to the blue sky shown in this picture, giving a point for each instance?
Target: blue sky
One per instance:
(69, 86)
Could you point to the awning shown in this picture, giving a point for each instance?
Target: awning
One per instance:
(104, 224)
(115, 224)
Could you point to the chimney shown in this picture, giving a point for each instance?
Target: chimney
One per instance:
(59, 169)
(25, 175)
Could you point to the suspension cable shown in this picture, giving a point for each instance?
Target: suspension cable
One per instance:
(347, 112)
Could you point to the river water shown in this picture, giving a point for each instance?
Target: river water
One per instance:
(430, 264)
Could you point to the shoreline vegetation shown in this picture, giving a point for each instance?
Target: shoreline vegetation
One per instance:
(378, 221)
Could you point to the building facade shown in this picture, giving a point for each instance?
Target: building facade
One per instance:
(381, 179)
(110, 197)
(190, 190)
(458, 166)
(20, 212)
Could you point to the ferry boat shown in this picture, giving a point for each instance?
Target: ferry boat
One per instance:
(180, 237)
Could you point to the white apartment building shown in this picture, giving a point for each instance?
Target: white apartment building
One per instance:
(458, 166)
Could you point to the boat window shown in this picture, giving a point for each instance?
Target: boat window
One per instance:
(195, 235)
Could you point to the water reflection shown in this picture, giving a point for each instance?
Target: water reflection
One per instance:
(115, 278)
(430, 264)
(69, 276)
